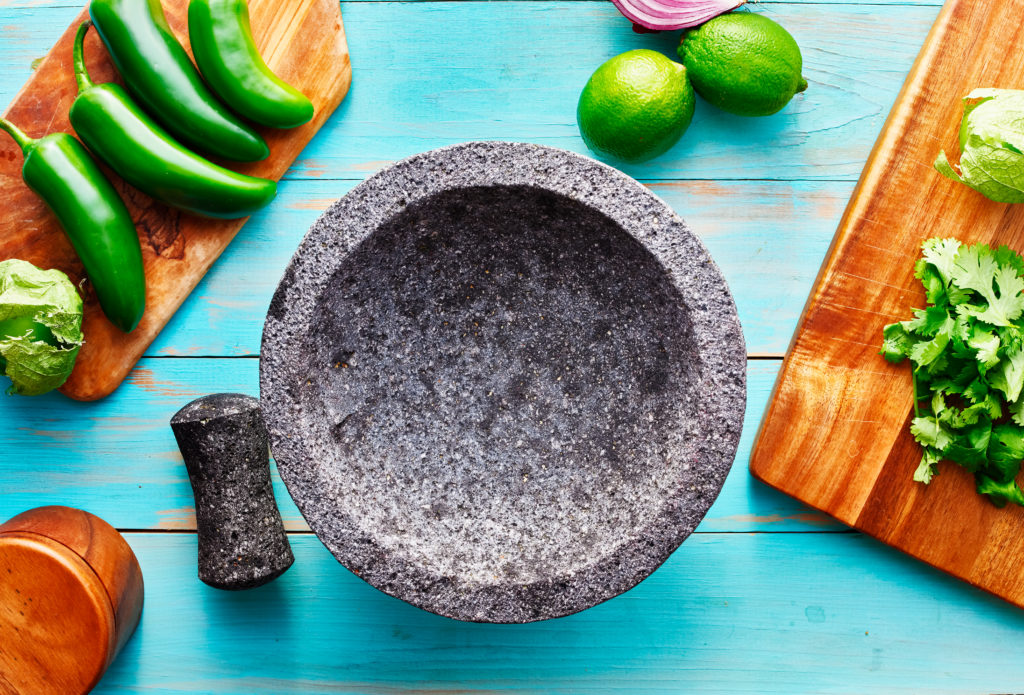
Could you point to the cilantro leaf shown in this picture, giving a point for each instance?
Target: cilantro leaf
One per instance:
(1008, 377)
(942, 254)
(1000, 286)
(987, 346)
(928, 351)
(935, 289)
(976, 390)
(970, 448)
(1004, 255)
(1006, 452)
(1017, 412)
(928, 432)
(1000, 493)
(896, 343)
(967, 350)
(928, 322)
(927, 469)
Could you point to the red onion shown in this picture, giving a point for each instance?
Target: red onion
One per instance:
(666, 15)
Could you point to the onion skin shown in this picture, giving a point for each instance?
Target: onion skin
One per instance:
(668, 15)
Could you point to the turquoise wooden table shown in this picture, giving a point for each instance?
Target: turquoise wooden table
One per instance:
(767, 597)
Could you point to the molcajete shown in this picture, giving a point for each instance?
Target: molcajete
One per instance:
(502, 382)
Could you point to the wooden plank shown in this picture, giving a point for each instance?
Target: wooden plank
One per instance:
(488, 75)
(117, 458)
(446, 72)
(30, 4)
(767, 237)
(756, 4)
(732, 614)
(836, 434)
(303, 40)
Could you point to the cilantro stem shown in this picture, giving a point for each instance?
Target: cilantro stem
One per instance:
(913, 379)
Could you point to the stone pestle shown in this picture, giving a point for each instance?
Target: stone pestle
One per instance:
(242, 541)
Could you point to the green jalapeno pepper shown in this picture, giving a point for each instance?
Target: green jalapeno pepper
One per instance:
(94, 218)
(226, 54)
(158, 72)
(147, 157)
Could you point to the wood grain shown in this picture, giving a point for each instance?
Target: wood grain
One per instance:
(57, 624)
(70, 597)
(302, 40)
(746, 613)
(836, 433)
(101, 547)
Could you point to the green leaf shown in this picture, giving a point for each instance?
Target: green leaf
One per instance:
(997, 118)
(969, 366)
(928, 322)
(926, 352)
(976, 390)
(943, 166)
(955, 296)
(896, 343)
(987, 346)
(942, 254)
(1004, 255)
(969, 448)
(1017, 412)
(963, 329)
(976, 269)
(1006, 451)
(928, 468)
(979, 160)
(991, 145)
(928, 432)
(1000, 493)
(935, 289)
(47, 298)
(971, 415)
(1008, 377)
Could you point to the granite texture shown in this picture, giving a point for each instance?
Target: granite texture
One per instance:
(242, 541)
(503, 382)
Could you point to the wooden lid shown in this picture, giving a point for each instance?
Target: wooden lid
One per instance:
(101, 547)
(56, 620)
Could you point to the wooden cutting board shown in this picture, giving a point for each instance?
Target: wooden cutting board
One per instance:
(303, 41)
(836, 433)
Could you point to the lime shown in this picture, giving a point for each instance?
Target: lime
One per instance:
(635, 106)
(743, 63)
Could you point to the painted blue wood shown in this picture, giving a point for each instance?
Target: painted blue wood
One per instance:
(428, 74)
(769, 239)
(448, 72)
(808, 609)
(117, 457)
(727, 614)
(754, 4)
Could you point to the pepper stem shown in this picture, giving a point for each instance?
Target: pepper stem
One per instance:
(81, 73)
(24, 141)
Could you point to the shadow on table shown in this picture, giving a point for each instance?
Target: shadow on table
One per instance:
(727, 612)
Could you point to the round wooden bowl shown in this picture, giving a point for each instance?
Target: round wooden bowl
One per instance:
(70, 597)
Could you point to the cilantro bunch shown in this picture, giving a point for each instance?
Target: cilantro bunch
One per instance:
(967, 351)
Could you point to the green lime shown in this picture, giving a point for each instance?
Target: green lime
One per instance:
(743, 63)
(635, 106)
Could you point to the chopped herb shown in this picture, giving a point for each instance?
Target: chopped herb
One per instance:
(967, 352)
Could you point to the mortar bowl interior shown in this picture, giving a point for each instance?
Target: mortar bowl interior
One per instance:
(503, 382)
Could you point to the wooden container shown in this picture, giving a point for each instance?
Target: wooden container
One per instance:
(70, 597)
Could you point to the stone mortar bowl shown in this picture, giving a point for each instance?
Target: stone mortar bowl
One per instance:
(503, 382)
